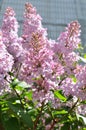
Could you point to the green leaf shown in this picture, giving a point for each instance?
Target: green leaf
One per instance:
(5, 95)
(12, 124)
(26, 118)
(66, 126)
(10, 73)
(28, 95)
(80, 46)
(83, 102)
(59, 112)
(19, 84)
(48, 120)
(24, 115)
(32, 112)
(85, 56)
(74, 79)
(84, 129)
(14, 83)
(23, 85)
(59, 94)
(82, 117)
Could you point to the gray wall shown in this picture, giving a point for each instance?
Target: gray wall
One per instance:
(56, 14)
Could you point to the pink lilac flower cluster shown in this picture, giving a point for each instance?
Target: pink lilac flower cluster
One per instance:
(80, 85)
(32, 24)
(6, 63)
(10, 35)
(9, 27)
(43, 63)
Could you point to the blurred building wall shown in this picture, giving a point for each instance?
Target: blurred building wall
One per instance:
(56, 14)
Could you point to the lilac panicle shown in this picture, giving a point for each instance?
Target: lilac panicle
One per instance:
(9, 27)
(70, 38)
(6, 60)
(67, 42)
(32, 24)
(6, 63)
(10, 35)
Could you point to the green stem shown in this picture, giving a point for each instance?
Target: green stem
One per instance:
(19, 98)
(74, 105)
(37, 119)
